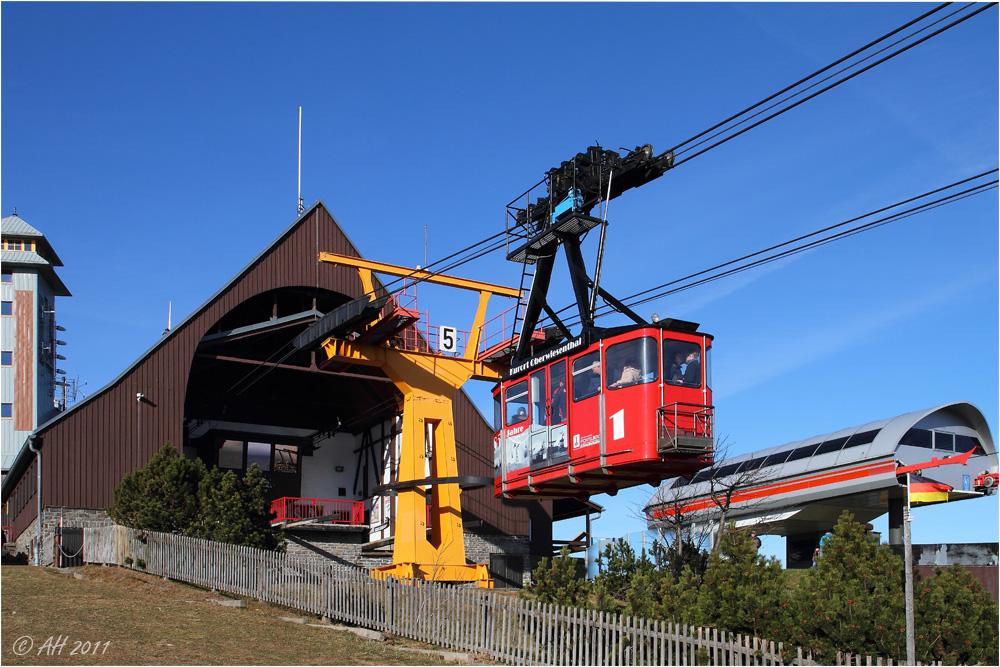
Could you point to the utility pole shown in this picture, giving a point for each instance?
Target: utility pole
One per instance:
(911, 651)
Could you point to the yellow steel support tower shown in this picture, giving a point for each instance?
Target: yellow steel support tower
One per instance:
(427, 382)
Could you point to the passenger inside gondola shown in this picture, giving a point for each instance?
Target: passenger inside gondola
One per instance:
(682, 363)
(675, 374)
(692, 370)
(557, 404)
(630, 374)
(518, 417)
(587, 376)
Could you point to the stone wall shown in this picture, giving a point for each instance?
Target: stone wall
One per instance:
(52, 518)
(479, 547)
(343, 547)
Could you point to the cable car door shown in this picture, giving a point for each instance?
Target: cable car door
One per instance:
(539, 428)
(585, 406)
(516, 429)
(631, 396)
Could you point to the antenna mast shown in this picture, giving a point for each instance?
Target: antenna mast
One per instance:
(301, 205)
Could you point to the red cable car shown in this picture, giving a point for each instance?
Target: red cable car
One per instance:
(605, 411)
(610, 408)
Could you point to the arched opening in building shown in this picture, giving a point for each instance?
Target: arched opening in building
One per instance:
(252, 397)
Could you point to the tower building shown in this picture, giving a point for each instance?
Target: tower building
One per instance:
(29, 339)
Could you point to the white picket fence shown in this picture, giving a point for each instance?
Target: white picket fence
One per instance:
(499, 626)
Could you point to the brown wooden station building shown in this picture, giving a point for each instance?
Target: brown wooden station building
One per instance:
(225, 385)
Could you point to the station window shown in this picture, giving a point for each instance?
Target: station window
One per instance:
(557, 397)
(830, 446)
(864, 438)
(944, 441)
(259, 453)
(917, 437)
(231, 454)
(682, 363)
(6, 410)
(630, 363)
(587, 376)
(6, 358)
(777, 458)
(517, 403)
(286, 459)
(6, 277)
(964, 443)
(6, 308)
(802, 452)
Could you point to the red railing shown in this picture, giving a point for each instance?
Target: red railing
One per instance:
(7, 532)
(337, 512)
(685, 427)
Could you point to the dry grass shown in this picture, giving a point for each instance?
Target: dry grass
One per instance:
(130, 618)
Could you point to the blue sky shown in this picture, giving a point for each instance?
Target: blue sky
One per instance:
(155, 146)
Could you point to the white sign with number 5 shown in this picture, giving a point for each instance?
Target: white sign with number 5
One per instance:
(448, 339)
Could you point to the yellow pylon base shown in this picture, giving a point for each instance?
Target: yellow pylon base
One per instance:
(409, 572)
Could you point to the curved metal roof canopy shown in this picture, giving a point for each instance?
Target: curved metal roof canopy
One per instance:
(805, 485)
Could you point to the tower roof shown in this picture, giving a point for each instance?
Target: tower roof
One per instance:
(16, 227)
(43, 259)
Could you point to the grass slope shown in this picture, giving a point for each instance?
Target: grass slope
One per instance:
(149, 621)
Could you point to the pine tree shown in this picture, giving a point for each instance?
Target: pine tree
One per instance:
(956, 619)
(852, 601)
(162, 496)
(679, 597)
(741, 590)
(554, 580)
(618, 564)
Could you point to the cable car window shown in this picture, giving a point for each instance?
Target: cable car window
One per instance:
(708, 367)
(632, 362)
(682, 363)
(917, 437)
(557, 397)
(964, 443)
(517, 403)
(587, 376)
(944, 441)
(497, 412)
(538, 396)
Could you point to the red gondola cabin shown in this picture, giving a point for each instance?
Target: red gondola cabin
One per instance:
(596, 414)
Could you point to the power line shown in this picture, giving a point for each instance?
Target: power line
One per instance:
(678, 148)
(832, 85)
(789, 248)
